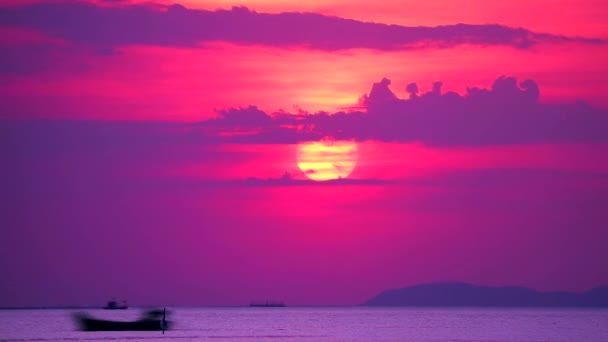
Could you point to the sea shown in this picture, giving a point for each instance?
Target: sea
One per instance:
(323, 324)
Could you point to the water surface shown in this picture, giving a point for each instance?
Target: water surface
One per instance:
(324, 324)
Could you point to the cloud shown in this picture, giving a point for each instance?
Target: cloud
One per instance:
(176, 25)
(508, 113)
(250, 117)
(285, 181)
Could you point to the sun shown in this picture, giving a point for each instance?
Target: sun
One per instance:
(327, 159)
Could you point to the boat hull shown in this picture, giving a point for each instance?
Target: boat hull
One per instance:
(86, 323)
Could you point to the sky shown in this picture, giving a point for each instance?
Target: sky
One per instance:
(317, 153)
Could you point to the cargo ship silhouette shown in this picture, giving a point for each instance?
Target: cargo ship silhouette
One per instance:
(268, 304)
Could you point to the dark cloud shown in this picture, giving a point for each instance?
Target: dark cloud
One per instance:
(286, 181)
(250, 117)
(175, 25)
(508, 113)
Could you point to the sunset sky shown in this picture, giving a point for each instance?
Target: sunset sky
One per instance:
(187, 154)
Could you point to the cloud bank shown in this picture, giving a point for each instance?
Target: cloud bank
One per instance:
(176, 25)
(507, 113)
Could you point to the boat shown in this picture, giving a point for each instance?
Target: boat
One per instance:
(152, 320)
(268, 304)
(113, 305)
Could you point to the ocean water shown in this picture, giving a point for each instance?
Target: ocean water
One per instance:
(324, 324)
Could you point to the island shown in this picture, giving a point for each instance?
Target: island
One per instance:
(456, 294)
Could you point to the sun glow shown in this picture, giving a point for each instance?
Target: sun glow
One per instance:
(327, 159)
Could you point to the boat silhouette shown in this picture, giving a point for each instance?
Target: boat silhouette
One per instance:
(152, 320)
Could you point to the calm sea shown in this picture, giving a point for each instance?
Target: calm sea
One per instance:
(324, 324)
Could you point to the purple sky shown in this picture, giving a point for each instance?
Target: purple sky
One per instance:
(169, 155)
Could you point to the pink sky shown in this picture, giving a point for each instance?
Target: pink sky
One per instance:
(123, 154)
(151, 82)
(188, 84)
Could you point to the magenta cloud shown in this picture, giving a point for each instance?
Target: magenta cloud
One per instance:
(176, 25)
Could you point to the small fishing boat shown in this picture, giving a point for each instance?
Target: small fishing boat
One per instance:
(152, 320)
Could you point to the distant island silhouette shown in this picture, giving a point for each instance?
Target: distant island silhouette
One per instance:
(455, 294)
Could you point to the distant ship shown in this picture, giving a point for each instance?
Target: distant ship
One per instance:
(268, 304)
(113, 305)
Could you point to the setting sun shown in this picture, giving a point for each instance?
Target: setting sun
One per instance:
(327, 159)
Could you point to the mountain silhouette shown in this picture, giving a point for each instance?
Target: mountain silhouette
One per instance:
(463, 294)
